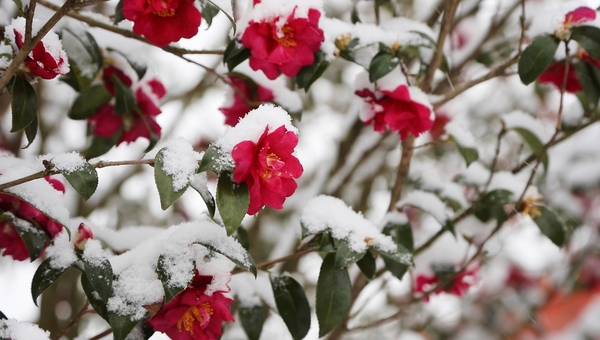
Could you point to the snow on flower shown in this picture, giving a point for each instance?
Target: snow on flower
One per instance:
(25, 216)
(452, 283)
(395, 105)
(141, 122)
(282, 38)
(192, 314)
(163, 21)
(47, 59)
(247, 96)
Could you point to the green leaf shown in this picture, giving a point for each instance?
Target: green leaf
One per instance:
(551, 226)
(89, 102)
(367, 265)
(94, 299)
(235, 53)
(84, 181)
(119, 13)
(397, 263)
(31, 132)
(327, 243)
(35, 239)
(292, 304)
(381, 64)
(44, 276)
(354, 17)
(536, 145)
(164, 183)
(121, 325)
(165, 274)
(209, 11)
(251, 267)
(232, 200)
(83, 51)
(308, 74)
(588, 78)
(401, 233)
(589, 39)
(492, 204)
(101, 145)
(23, 102)
(252, 321)
(241, 235)
(345, 256)
(98, 272)
(334, 294)
(397, 269)
(537, 57)
(124, 97)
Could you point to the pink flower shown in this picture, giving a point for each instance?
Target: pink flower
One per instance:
(193, 315)
(579, 16)
(246, 98)
(268, 168)
(397, 110)
(163, 21)
(458, 286)
(47, 59)
(10, 239)
(83, 234)
(438, 129)
(277, 48)
(140, 123)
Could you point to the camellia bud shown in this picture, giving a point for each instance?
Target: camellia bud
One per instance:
(84, 233)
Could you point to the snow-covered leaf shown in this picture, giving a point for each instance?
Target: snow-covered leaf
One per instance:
(345, 256)
(44, 276)
(82, 176)
(33, 236)
(164, 182)
(165, 273)
(367, 265)
(98, 272)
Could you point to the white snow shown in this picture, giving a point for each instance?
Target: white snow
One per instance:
(15, 330)
(327, 213)
(66, 162)
(39, 193)
(428, 202)
(522, 120)
(137, 283)
(180, 161)
(93, 252)
(61, 252)
(461, 135)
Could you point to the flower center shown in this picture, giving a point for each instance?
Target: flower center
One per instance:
(287, 39)
(191, 315)
(274, 163)
(165, 12)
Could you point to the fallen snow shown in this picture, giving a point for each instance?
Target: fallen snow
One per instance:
(180, 161)
(428, 202)
(15, 330)
(61, 252)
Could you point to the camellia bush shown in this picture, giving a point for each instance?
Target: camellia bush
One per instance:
(269, 169)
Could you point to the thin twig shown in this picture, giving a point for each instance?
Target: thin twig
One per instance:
(403, 169)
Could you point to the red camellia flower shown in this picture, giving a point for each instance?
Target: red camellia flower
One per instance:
(10, 239)
(268, 168)
(555, 73)
(283, 48)
(245, 99)
(579, 16)
(193, 315)
(106, 123)
(47, 59)
(458, 286)
(163, 21)
(83, 234)
(397, 110)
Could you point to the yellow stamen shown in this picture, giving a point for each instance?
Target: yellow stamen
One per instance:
(288, 37)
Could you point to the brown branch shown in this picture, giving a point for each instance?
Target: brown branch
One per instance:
(403, 169)
(439, 54)
(49, 171)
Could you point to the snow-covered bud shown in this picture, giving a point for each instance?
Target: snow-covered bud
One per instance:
(84, 233)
